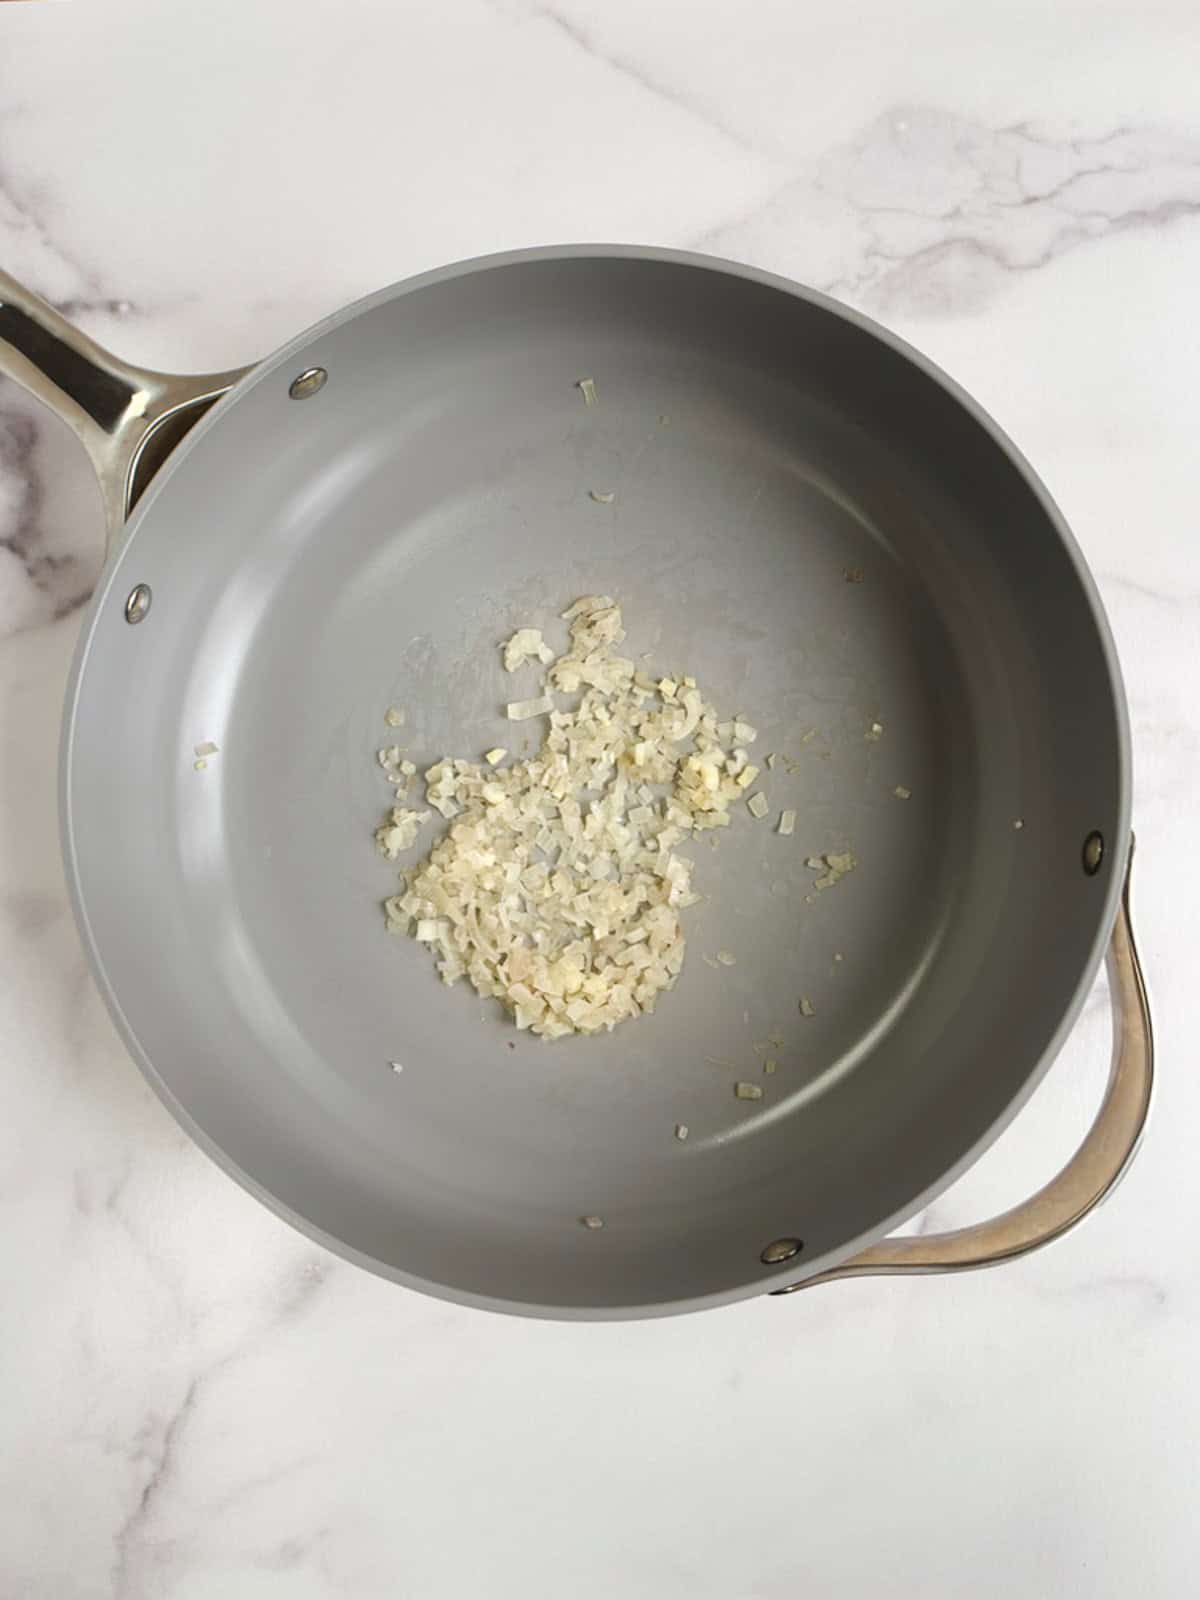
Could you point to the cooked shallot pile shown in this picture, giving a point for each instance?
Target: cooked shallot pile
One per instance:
(557, 888)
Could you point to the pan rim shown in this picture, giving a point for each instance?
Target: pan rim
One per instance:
(1114, 866)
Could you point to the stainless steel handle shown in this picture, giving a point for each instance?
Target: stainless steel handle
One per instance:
(1091, 1174)
(127, 417)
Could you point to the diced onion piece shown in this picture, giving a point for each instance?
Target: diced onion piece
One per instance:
(726, 959)
(602, 497)
(757, 804)
(394, 716)
(208, 748)
(587, 388)
(496, 756)
(787, 822)
(748, 1091)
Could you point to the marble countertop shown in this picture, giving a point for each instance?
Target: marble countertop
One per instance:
(195, 1400)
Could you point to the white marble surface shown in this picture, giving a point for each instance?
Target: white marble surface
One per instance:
(194, 1401)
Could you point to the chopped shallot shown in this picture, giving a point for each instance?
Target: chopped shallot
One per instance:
(556, 887)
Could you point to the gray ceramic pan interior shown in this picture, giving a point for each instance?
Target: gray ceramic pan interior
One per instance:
(315, 563)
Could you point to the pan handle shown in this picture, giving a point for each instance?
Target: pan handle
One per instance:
(127, 417)
(1088, 1178)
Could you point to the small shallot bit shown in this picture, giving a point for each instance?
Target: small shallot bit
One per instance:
(769, 1065)
(757, 805)
(399, 831)
(681, 1131)
(726, 959)
(396, 1066)
(394, 716)
(587, 388)
(787, 822)
(398, 770)
(831, 867)
(902, 793)
(875, 731)
(495, 757)
(807, 1009)
(592, 1222)
(602, 497)
(522, 710)
(525, 645)
(208, 748)
(748, 1091)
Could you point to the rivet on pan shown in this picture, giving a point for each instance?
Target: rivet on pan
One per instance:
(1093, 853)
(780, 1250)
(137, 603)
(308, 382)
